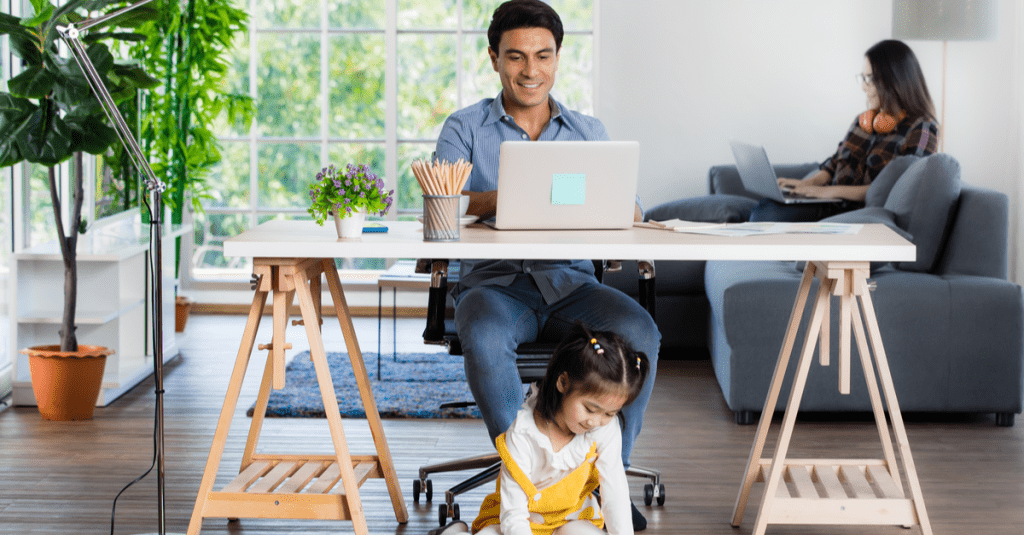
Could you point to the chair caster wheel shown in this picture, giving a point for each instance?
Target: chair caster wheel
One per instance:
(442, 514)
(649, 494)
(455, 512)
(418, 487)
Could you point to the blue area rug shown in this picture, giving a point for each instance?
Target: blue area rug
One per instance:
(414, 386)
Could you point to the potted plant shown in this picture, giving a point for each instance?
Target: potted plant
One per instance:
(50, 115)
(348, 197)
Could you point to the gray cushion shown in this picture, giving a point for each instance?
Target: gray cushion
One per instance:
(880, 187)
(709, 208)
(923, 200)
(869, 215)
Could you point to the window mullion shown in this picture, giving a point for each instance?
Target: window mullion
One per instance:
(325, 102)
(458, 54)
(254, 182)
(391, 102)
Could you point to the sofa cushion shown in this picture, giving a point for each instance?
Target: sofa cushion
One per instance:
(880, 187)
(869, 215)
(708, 208)
(923, 200)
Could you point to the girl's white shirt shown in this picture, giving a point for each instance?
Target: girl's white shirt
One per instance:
(532, 451)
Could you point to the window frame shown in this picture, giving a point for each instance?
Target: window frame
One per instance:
(391, 142)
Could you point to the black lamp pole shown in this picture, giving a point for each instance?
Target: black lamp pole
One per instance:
(155, 188)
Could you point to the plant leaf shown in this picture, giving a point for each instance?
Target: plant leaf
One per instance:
(90, 134)
(44, 10)
(135, 76)
(120, 36)
(15, 109)
(44, 138)
(33, 82)
(9, 153)
(101, 58)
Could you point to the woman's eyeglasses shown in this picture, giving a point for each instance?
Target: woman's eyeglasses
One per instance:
(865, 79)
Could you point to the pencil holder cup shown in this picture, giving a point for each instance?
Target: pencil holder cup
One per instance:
(441, 217)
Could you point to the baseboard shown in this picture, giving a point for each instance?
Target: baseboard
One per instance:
(358, 311)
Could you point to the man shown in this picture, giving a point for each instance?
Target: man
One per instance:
(502, 303)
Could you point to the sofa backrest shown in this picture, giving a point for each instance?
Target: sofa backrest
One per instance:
(978, 241)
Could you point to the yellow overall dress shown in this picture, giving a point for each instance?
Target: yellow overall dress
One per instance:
(558, 504)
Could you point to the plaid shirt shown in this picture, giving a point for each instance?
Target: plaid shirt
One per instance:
(861, 156)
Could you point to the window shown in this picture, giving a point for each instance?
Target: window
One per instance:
(354, 81)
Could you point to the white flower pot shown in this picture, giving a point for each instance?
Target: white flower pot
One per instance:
(350, 226)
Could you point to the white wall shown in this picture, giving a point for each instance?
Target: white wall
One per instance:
(684, 77)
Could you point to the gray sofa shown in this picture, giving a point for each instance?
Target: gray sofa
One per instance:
(951, 322)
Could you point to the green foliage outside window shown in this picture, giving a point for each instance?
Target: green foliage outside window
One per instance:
(303, 123)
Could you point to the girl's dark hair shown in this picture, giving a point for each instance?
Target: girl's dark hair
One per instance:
(618, 369)
(899, 81)
(516, 14)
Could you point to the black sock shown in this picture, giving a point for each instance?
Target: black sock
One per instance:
(639, 522)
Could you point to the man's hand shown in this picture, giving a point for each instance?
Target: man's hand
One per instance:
(482, 203)
(638, 215)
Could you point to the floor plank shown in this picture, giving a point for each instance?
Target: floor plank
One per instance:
(62, 477)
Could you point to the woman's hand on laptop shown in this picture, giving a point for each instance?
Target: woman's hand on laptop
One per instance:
(482, 203)
(789, 183)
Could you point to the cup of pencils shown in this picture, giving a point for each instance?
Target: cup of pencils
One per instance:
(442, 184)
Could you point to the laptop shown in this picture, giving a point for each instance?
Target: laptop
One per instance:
(758, 175)
(566, 185)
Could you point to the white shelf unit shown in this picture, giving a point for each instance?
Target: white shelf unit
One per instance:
(113, 309)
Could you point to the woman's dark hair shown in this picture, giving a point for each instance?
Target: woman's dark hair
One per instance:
(899, 81)
(516, 14)
(616, 369)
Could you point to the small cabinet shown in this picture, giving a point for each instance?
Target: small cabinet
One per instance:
(113, 308)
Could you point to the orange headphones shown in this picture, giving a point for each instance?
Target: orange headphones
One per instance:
(875, 121)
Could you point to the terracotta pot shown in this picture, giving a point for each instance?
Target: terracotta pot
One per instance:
(66, 384)
(182, 308)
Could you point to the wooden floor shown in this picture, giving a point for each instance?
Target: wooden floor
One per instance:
(62, 477)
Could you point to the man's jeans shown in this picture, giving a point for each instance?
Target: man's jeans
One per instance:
(493, 320)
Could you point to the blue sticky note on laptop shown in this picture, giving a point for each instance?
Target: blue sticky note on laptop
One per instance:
(568, 188)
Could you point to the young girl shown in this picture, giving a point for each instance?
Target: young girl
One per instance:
(565, 442)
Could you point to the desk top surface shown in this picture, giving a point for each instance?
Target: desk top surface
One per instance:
(404, 239)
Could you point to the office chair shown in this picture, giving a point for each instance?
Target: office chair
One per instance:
(532, 361)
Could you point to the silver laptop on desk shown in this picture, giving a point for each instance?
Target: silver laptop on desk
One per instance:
(560, 185)
(758, 175)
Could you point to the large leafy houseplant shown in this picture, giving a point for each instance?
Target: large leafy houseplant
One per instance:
(49, 113)
(187, 47)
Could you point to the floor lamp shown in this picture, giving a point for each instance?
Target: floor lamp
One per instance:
(155, 187)
(945, 20)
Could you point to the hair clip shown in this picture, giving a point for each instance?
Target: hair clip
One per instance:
(597, 346)
(638, 363)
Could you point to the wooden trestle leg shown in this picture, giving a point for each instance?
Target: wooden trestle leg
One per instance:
(834, 491)
(296, 486)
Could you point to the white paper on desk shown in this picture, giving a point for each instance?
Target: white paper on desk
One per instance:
(679, 225)
(757, 229)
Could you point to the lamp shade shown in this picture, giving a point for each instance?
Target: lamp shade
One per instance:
(945, 20)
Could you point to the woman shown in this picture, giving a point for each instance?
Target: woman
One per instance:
(900, 120)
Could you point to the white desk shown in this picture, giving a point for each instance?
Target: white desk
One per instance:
(290, 256)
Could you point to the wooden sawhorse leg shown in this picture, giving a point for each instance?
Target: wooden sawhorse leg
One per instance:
(834, 491)
(296, 486)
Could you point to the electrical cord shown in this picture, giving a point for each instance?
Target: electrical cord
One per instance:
(156, 408)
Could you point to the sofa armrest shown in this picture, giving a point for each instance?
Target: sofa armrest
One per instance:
(726, 179)
(978, 240)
